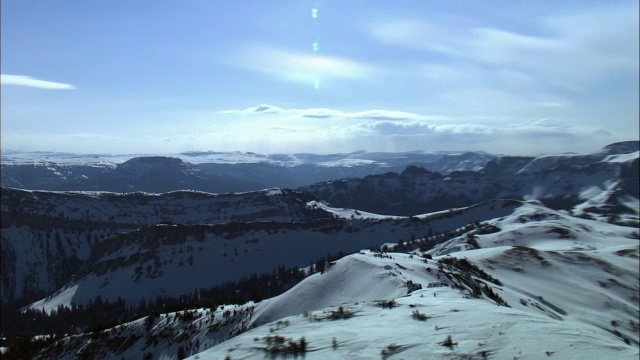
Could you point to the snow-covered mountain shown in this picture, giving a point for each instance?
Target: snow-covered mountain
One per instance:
(560, 181)
(530, 284)
(213, 171)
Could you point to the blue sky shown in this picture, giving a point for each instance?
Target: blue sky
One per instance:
(278, 76)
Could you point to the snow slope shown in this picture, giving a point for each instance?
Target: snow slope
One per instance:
(573, 294)
(478, 329)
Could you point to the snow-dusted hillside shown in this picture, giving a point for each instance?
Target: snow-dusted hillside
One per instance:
(536, 283)
(179, 207)
(45, 236)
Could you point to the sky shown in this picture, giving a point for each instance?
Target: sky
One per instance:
(323, 76)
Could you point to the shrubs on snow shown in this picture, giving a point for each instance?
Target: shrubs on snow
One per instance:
(386, 304)
(416, 315)
(392, 349)
(279, 345)
(341, 313)
(448, 342)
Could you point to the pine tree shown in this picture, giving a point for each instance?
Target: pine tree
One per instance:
(181, 353)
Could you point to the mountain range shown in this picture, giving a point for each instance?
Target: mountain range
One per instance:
(427, 241)
(211, 171)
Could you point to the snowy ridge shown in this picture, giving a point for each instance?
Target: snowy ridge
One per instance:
(573, 293)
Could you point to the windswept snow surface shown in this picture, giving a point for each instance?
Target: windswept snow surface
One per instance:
(478, 329)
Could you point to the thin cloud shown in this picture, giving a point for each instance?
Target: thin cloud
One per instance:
(416, 34)
(324, 113)
(544, 123)
(584, 46)
(300, 67)
(28, 81)
(368, 114)
(260, 109)
(387, 115)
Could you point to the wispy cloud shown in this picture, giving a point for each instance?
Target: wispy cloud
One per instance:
(28, 81)
(325, 113)
(367, 114)
(419, 34)
(299, 67)
(260, 109)
(570, 50)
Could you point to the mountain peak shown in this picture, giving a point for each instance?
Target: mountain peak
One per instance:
(152, 161)
(415, 170)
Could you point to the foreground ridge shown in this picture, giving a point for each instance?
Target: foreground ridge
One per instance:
(533, 284)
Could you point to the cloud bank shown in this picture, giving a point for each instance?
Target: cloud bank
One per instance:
(274, 128)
